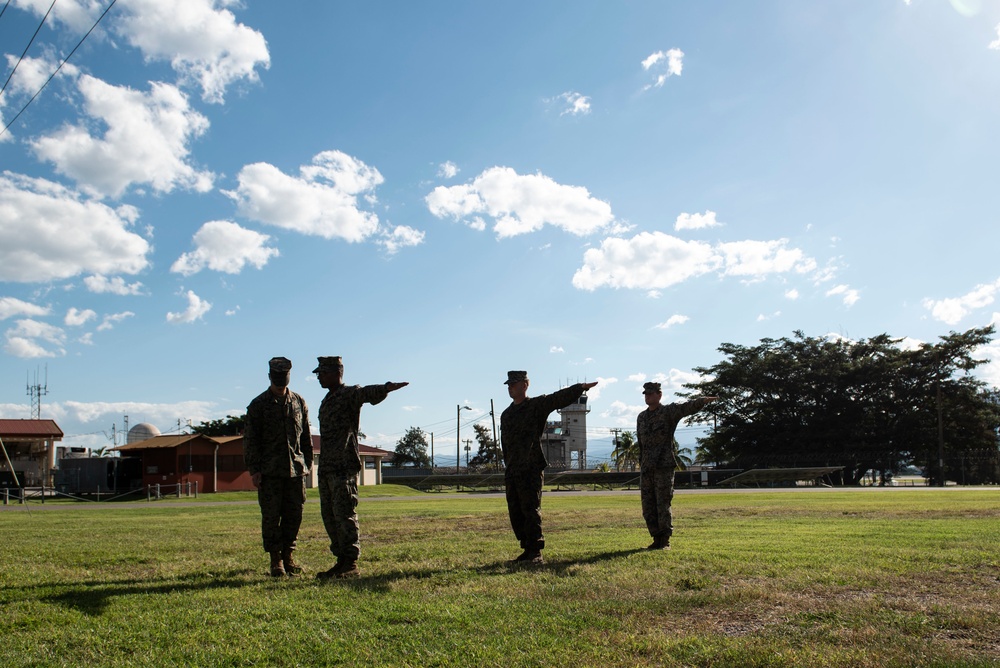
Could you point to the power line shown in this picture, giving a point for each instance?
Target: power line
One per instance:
(30, 42)
(54, 73)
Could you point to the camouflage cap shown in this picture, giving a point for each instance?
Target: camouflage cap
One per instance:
(650, 388)
(279, 364)
(328, 364)
(515, 377)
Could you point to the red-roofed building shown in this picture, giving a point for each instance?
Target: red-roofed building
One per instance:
(31, 447)
(216, 462)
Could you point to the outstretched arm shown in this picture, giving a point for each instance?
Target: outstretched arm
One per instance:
(392, 387)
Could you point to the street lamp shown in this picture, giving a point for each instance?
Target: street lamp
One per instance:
(458, 437)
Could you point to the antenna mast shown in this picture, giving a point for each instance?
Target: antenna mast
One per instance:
(36, 392)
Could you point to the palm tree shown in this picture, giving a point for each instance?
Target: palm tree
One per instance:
(626, 452)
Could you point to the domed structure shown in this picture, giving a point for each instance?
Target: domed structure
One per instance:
(141, 432)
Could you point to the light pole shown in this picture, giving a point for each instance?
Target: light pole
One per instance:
(458, 437)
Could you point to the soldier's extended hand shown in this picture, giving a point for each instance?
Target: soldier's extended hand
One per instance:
(392, 387)
(587, 386)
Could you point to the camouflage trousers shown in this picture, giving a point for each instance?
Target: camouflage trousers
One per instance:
(338, 499)
(281, 501)
(524, 506)
(656, 490)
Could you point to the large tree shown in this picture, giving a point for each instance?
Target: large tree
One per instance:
(411, 450)
(489, 457)
(231, 426)
(864, 405)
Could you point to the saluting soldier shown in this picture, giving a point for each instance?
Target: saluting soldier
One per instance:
(339, 461)
(654, 430)
(278, 452)
(521, 427)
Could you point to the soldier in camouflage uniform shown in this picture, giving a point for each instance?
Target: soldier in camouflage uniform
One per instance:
(339, 462)
(654, 429)
(521, 427)
(278, 452)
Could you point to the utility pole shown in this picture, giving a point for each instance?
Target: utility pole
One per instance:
(432, 452)
(616, 431)
(468, 447)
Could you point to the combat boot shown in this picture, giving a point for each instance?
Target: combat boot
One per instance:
(277, 570)
(291, 566)
(349, 570)
(331, 572)
(531, 558)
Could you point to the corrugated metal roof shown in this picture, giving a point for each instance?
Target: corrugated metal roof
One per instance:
(11, 429)
(157, 442)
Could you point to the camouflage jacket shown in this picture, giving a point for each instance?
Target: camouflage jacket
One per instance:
(276, 440)
(521, 427)
(339, 421)
(654, 429)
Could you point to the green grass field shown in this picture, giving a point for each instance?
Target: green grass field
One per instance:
(783, 578)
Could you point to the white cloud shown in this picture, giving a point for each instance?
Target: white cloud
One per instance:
(850, 296)
(221, 245)
(594, 393)
(575, 104)
(756, 259)
(664, 64)
(995, 44)
(322, 201)
(201, 38)
(146, 140)
(654, 260)
(556, 349)
(10, 307)
(117, 286)
(647, 260)
(950, 311)
(671, 321)
(696, 221)
(197, 308)
(519, 204)
(28, 338)
(48, 232)
(233, 311)
(400, 237)
(32, 73)
(158, 414)
(447, 170)
(75, 317)
(113, 319)
(792, 294)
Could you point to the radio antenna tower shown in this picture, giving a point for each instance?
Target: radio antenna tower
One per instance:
(36, 392)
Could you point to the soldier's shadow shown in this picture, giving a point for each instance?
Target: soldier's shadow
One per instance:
(93, 598)
(559, 566)
(382, 581)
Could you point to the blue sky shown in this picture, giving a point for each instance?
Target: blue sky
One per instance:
(440, 192)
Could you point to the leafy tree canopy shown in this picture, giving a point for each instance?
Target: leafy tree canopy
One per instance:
(411, 450)
(864, 405)
(231, 426)
(489, 457)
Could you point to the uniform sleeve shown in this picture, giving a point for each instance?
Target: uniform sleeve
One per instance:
(691, 407)
(561, 398)
(305, 441)
(372, 394)
(251, 440)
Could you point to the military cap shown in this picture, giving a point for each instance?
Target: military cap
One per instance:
(515, 377)
(279, 364)
(328, 364)
(650, 388)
